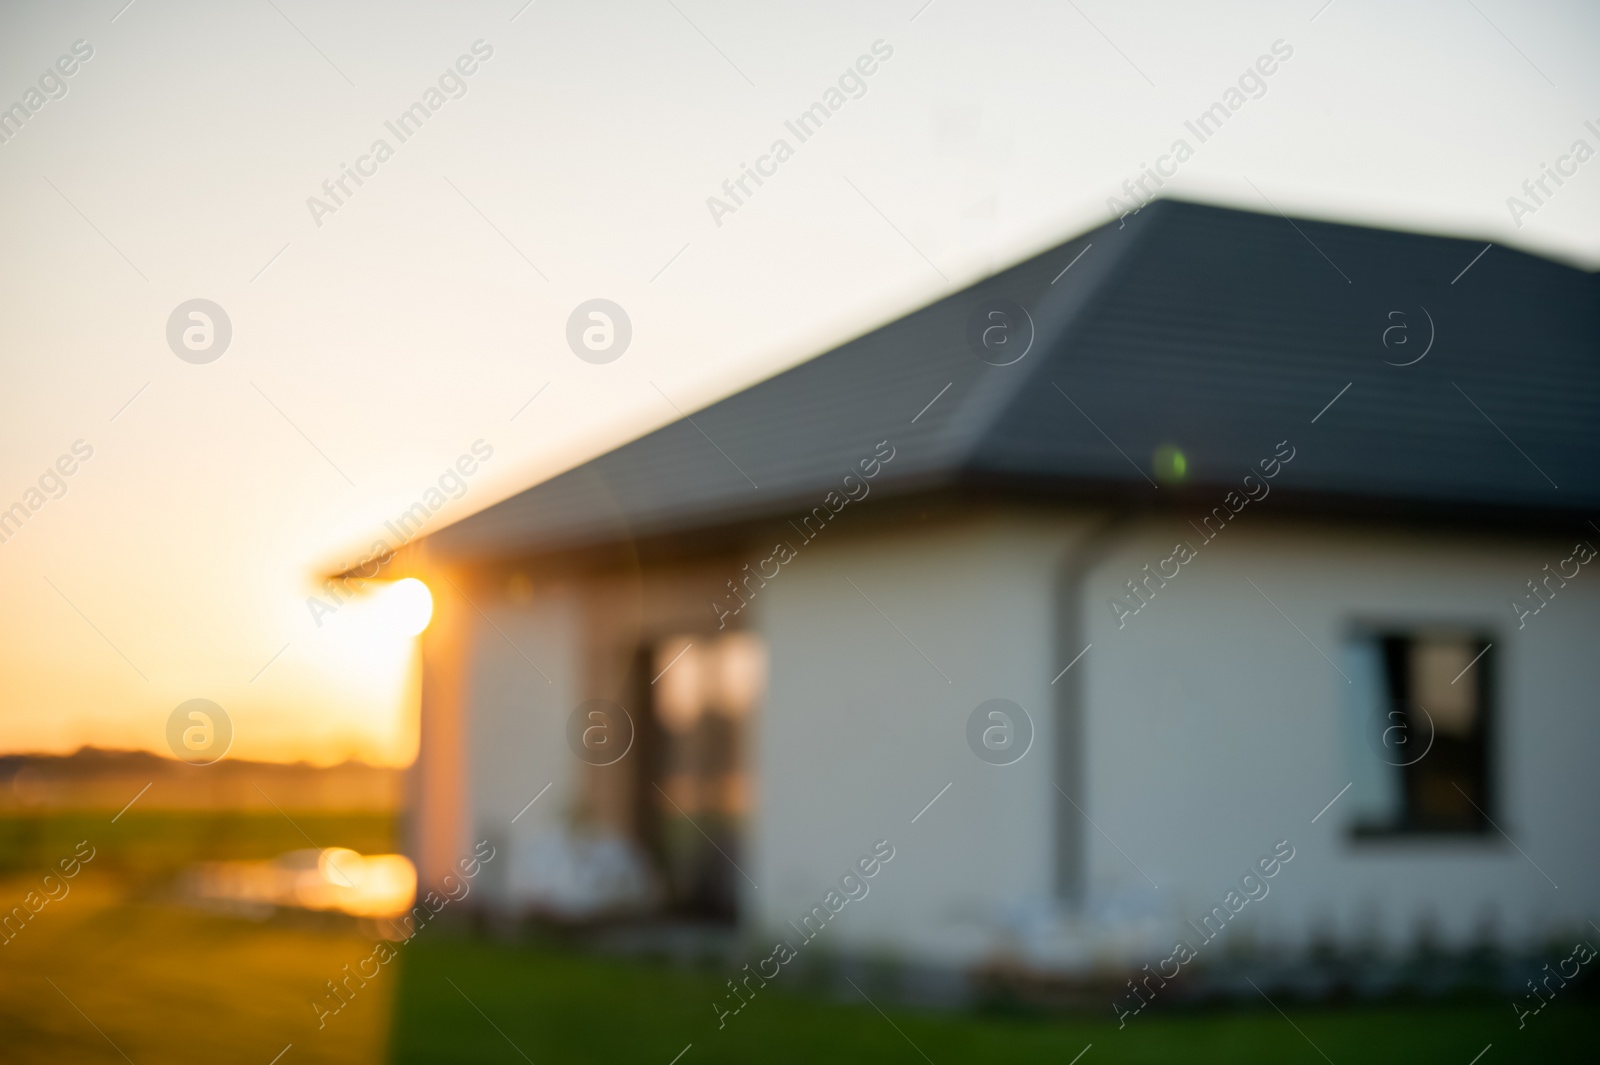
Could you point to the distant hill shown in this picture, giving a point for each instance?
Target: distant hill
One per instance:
(93, 779)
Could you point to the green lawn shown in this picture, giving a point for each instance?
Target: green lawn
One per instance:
(119, 968)
(557, 1007)
(114, 971)
(145, 846)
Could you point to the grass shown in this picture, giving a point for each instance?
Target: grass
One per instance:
(145, 846)
(113, 972)
(117, 972)
(513, 1004)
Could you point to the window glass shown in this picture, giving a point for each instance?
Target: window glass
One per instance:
(1417, 731)
(702, 700)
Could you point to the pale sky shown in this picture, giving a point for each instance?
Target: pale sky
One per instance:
(371, 350)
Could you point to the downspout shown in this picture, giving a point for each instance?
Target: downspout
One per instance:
(1072, 628)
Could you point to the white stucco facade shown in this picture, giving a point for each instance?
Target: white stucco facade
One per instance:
(1210, 730)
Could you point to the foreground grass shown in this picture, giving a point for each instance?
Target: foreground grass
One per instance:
(111, 973)
(98, 976)
(95, 978)
(475, 1002)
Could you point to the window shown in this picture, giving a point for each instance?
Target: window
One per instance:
(1418, 732)
(701, 703)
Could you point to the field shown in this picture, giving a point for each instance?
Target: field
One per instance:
(118, 971)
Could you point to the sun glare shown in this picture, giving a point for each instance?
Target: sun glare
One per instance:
(410, 604)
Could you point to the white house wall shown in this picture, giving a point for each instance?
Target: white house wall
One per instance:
(516, 723)
(880, 648)
(1214, 731)
(1211, 732)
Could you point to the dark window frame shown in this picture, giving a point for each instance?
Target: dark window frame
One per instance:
(1475, 771)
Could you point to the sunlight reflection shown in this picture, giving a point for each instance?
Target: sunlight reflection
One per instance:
(335, 879)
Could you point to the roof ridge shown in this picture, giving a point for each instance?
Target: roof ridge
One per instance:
(1061, 311)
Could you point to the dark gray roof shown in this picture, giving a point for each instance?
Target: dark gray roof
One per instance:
(1216, 331)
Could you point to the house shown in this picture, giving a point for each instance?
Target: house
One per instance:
(1213, 577)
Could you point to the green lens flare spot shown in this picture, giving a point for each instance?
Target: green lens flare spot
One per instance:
(1171, 465)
